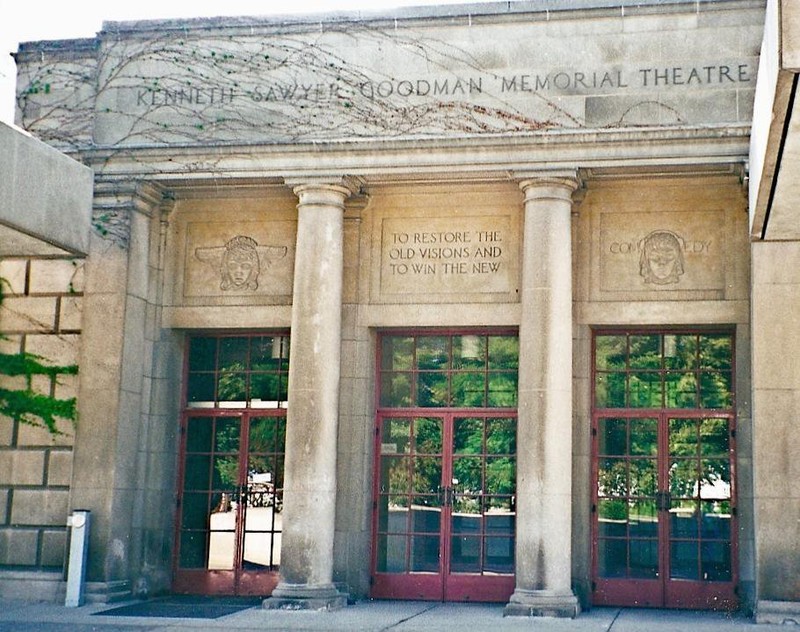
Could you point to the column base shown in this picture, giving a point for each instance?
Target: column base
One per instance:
(305, 597)
(542, 603)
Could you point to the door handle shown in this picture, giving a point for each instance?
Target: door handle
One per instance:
(663, 501)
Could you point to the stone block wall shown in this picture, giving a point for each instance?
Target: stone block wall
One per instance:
(40, 314)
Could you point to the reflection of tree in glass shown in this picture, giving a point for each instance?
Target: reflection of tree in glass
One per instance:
(232, 383)
(226, 440)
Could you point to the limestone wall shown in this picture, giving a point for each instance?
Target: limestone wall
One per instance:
(41, 314)
(776, 400)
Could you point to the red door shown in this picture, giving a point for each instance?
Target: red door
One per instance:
(230, 520)
(664, 501)
(444, 514)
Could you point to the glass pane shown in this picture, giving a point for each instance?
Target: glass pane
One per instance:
(427, 475)
(397, 353)
(232, 386)
(193, 549)
(714, 437)
(503, 352)
(424, 553)
(198, 434)
(716, 480)
(202, 354)
(683, 437)
(502, 390)
(396, 436)
(680, 351)
(684, 560)
(433, 352)
(683, 478)
(681, 390)
(498, 516)
(644, 559)
(266, 390)
(396, 390)
(467, 436)
(469, 352)
(466, 518)
(468, 475)
(716, 351)
(683, 519)
(233, 354)
(432, 390)
(716, 519)
(499, 555)
(612, 517)
(501, 475)
(501, 436)
(610, 352)
(465, 554)
(221, 540)
(392, 553)
(643, 519)
(645, 352)
(716, 561)
(610, 390)
(428, 435)
(644, 437)
(267, 353)
(395, 475)
(200, 388)
(715, 389)
(426, 514)
(468, 390)
(612, 558)
(226, 472)
(267, 435)
(194, 511)
(226, 434)
(643, 477)
(613, 437)
(612, 479)
(645, 390)
(393, 514)
(197, 472)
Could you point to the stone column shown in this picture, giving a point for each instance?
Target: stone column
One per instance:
(544, 441)
(306, 576)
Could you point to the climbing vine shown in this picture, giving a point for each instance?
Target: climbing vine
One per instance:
(24, 404)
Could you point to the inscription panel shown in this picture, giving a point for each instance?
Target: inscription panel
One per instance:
(657, 252)
(448, 256)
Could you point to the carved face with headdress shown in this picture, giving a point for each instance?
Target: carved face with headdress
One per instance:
(661, 261)
(240, 265)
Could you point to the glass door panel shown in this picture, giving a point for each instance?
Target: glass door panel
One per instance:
(444, 519)
(231, 496)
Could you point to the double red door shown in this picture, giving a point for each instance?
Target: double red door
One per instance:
(444, 515)
(230, 503)
(664, 509)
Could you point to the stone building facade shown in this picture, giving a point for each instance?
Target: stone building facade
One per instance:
(450, 303)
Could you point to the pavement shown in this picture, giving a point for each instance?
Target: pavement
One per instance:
(372, 616)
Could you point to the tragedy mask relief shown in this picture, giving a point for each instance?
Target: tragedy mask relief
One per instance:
(240, 261)
(661, 260)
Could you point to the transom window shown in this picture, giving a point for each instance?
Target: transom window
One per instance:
(451, 370)
(680, 370)
(238, 372)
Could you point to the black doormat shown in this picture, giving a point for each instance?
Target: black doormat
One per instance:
(184, 607)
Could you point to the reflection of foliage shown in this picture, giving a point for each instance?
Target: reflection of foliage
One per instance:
(226, 439)
(232, 382)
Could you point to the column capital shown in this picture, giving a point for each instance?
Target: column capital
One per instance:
(548, 183)
(324, 190)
